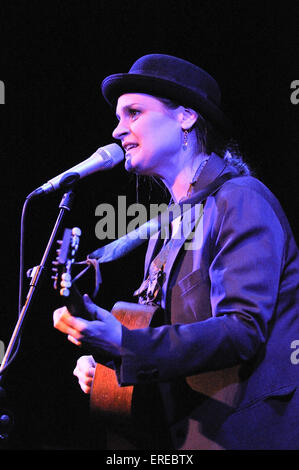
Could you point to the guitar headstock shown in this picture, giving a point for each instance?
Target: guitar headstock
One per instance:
(66, 256)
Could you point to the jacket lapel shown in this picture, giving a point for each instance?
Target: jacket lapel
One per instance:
(213, 170)
(190, 219)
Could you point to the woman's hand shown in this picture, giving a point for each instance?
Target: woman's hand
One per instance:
(102, 334)
(84, 371)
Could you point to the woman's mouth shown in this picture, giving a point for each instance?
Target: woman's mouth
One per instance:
(129, 147)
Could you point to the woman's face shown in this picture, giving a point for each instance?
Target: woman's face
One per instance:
(150, 133)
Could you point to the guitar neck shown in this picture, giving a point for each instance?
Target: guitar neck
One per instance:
(75, 304)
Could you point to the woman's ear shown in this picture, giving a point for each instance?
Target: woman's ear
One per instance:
(188, 118)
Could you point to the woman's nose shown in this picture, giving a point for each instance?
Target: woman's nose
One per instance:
(120, 130)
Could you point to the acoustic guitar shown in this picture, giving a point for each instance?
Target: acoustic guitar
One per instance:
(111, 402)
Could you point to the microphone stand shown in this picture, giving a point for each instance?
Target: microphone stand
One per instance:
(6, 418)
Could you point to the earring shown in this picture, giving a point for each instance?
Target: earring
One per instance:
(185, 139)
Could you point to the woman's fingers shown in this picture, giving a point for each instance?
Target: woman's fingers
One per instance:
(66, 323)
(84, 371)
(74, 340)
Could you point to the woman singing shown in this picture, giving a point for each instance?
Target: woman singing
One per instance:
(218, 363)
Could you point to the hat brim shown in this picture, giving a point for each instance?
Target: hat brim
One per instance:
(116, 85)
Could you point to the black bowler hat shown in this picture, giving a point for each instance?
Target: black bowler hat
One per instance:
(170, 77)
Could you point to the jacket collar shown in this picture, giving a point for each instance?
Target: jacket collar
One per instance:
(214, 168)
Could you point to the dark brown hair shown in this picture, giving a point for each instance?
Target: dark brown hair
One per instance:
(210, 140)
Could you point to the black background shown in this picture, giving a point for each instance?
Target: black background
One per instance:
(53, 58)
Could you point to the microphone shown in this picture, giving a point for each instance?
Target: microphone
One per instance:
(104, 158)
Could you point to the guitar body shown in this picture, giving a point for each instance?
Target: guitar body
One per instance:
(118, 408)
(112, 402)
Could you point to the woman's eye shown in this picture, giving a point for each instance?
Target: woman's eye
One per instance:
(133, 112)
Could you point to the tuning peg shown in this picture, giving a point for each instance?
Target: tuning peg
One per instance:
(76, 231)
(66, 284)
(66, 277)
(55, 279)
(64, 292)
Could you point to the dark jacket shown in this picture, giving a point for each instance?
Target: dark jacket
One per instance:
(223, 357)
